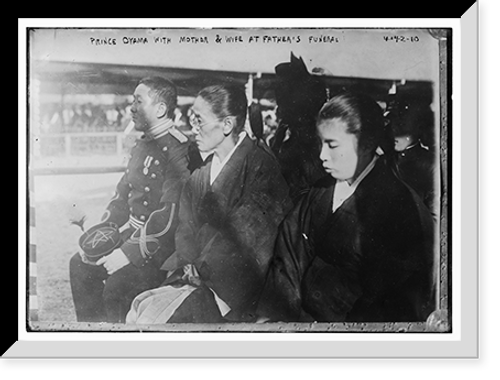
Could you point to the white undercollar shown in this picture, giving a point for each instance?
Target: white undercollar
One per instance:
(365, 172)
(343, 190)
(217, 165)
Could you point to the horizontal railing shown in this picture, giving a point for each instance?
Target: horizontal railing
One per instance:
(83, 144)
(78, 170)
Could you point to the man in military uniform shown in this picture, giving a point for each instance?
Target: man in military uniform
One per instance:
(411, 123)
(145, 207)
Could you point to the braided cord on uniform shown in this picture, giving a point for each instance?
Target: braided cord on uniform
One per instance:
(144, 238)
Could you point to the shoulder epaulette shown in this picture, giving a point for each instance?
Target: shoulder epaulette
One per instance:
(181, 137)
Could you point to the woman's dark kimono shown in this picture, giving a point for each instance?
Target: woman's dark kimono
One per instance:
(227, 231)
(369, 261)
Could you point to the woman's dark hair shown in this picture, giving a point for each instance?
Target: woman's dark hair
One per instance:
(227, 100)
(162, 90)
(364, 118)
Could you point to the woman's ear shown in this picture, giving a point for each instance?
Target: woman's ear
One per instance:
(229, 123)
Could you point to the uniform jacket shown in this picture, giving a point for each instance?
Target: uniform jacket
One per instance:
(147, 196)
(369, 261)
(227, 230)
(417, 168)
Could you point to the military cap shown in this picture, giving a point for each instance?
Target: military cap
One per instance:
(100, 240)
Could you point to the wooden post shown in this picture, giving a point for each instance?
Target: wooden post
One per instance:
(249, 89)
(67, 145)
(35, 120)
(119, 144)
(34, 151)
(32, 252)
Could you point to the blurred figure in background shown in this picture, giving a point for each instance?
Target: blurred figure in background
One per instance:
(98, 119)
(416, 161)
(270, 126)
(299, 96)
(146, 204)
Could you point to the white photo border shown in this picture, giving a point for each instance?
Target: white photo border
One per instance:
(462, 343)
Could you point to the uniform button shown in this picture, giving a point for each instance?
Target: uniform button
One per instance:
(147, 189)
(157, 162)
(153, 175)
(164, 148)
(142, 217)
(145, 203)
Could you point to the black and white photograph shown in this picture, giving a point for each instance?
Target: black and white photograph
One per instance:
(250, 180)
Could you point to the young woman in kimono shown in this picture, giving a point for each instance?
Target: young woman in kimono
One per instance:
(229, 214)
(359, 246)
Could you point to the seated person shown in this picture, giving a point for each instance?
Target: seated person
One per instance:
(359, 246)
(146, 203)
(229, 214)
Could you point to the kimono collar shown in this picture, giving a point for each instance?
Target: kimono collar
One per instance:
(365, 172)
(160, 129)
(343, 190)
(217, 165)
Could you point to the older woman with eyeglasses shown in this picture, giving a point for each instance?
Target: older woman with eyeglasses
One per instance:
(229, 214)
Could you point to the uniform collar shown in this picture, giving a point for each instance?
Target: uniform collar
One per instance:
(159, 130)
(410, 149)
(417, 143)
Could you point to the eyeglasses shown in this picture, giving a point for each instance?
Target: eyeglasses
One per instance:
(196, 124)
